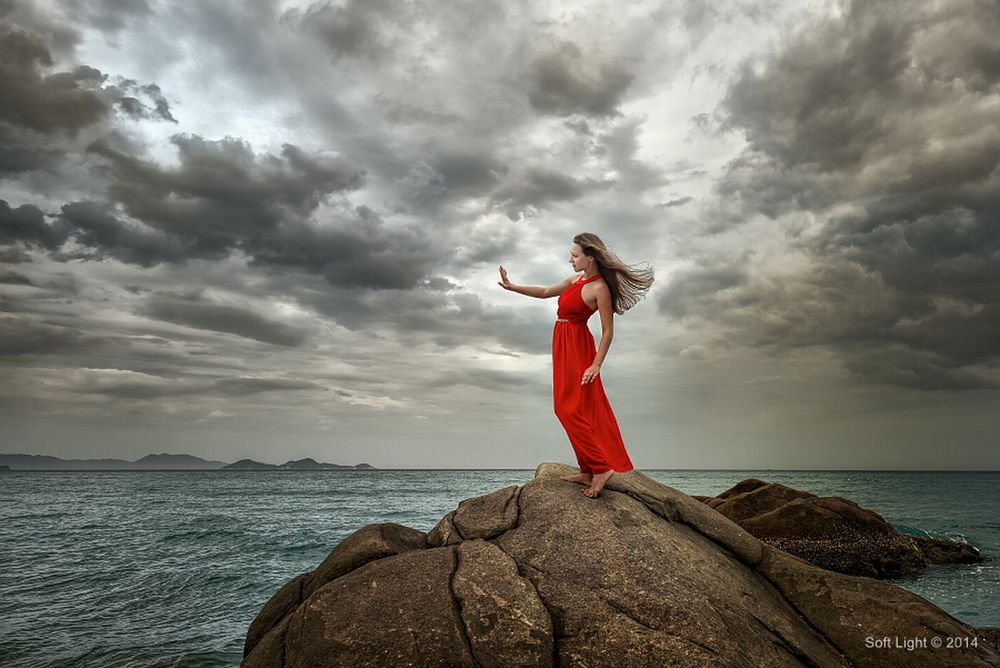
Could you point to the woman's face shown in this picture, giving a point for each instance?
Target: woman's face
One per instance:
(577, 258)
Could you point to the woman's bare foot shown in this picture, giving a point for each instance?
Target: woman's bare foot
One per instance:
(597, 484)
(583, 478)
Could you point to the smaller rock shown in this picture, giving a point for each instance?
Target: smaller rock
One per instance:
(832, 532)
(488, 515)
(756, 500)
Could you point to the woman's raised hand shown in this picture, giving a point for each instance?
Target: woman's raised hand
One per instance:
(503, 282)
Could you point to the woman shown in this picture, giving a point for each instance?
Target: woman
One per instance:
(610, 287)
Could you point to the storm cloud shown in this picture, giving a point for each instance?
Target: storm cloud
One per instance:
(46, 111)
(868, 126)
(228, 225)
(567, 81)
(199, 312)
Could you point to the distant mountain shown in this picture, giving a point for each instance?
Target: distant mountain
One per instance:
(307, 464)
(310, 464)
(175, 462)
(47, 463)
(161, 462)
(249, 465)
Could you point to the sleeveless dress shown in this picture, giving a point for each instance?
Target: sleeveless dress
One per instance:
(583, 409)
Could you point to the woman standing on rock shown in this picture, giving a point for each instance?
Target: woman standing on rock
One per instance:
(608, 286)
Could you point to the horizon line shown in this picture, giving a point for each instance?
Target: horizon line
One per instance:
(349, 468)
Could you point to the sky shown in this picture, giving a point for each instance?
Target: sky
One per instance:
(272, 229)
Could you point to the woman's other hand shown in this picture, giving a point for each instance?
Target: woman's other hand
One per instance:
(503, 282)
(591, 373)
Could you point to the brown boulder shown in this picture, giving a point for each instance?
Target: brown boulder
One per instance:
(368, 543)
(479, 517)
(642, 576)
(760, 499)
(832, 532)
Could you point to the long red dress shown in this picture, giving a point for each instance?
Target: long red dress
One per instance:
(583, 409)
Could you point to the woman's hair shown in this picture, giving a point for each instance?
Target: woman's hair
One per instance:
(628, 283)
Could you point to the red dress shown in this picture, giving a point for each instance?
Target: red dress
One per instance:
(583, 409)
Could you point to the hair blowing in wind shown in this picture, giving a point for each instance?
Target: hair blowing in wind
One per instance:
(628, 283)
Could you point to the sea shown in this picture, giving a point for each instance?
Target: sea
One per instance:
(169, 568)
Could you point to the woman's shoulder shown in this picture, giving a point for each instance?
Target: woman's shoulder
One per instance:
(597, 281)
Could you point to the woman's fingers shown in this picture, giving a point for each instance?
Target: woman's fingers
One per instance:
(503, 282)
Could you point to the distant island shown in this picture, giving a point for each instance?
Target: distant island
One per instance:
(162, 462)
(307, 464)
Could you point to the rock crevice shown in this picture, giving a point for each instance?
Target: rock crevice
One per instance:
(456, 602)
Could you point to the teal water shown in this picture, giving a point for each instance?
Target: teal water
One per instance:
(169, 568)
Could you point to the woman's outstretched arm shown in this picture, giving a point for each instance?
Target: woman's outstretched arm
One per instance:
(534, 290)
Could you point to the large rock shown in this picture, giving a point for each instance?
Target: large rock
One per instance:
(832, 532)
(541, 575)
(369, 543)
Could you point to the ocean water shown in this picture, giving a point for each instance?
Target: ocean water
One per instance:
(169, 568)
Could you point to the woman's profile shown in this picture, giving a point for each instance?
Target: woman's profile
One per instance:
(607, 286)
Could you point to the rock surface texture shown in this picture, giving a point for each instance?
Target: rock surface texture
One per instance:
(832, 532)
(541, 575)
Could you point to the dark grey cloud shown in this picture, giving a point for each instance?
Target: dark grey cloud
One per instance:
(678, 201)
(15, 157)
(61, 101)
(356, 250)
(200, 312)
(489, 379)
(95, 227)
(157, 108)
(405, 113)
(464, 172)
(27, 224)
(239, 387)
(42, 109)
(538, 187)
(349, 30)
(14, 278)
(30, 17)
(691, 288)
(567, 81)
(158, 388)
(221, 192)
(444, 175)
(14, 256)
(619, 146)
(448, 319)
(220, 198)
(869, 112)
(22, 335)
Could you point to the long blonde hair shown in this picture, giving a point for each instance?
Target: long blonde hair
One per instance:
(627, 283)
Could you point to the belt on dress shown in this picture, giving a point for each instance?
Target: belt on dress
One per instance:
(563, 320)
